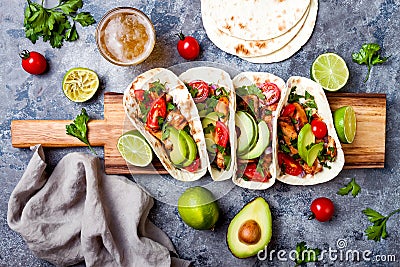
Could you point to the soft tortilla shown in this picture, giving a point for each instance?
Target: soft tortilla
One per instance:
(245, 48)
(295, 44)
(222, 79)
(245, 79)
(303, 84)
(183, 100)
(256, 20)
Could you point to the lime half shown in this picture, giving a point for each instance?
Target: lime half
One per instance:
(135, 149)
(80, 84)
(345, 124)
(330, 71)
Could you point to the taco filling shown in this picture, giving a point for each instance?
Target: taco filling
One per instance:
(256, 105)
(163, 119)
(212, 102)
(304, 146)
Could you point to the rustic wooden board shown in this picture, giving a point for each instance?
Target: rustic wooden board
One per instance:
(367, 150)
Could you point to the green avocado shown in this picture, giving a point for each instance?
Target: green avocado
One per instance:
(248, 132)
(180, 150)
(192, 148)
(305, 138)
(251, 229)
(261, 144)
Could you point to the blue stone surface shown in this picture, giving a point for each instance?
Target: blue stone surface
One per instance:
(342, 27)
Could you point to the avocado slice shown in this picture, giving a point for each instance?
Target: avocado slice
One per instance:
(305, 138)
(251, 229)
(192, 148)
(262, 143)
(248, 132)
(210, 118)
(180, 150)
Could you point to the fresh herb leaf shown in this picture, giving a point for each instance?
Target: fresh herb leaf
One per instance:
(260, 168)
(53, 23)
(192, 90)
(305, 254)
(79, 128)
(210, 128)
(170, 106)
(351, 186)
(293, 97)
(250, 90)
(157, 87)
(144, 111)
(378, 229)
(369, 56)
(285, 148)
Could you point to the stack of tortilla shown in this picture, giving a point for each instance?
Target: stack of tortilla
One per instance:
(259, 31)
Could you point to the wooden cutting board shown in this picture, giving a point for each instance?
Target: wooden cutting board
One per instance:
(367, 150)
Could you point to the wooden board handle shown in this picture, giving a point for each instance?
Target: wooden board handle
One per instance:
(52, 133)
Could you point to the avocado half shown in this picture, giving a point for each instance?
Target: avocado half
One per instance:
(251, 229)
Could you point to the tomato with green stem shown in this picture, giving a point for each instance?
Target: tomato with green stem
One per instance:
(188, 47)
(322, 209)
(33, 62)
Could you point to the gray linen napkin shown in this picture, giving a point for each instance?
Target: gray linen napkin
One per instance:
(79, 213)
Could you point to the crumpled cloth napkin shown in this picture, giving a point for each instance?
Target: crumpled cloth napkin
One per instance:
(80, 214)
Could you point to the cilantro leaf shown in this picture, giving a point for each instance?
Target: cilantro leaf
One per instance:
(351, 186)
(79, 128)
(85, 19)
(250, 90)
(369, 56)
(305, 254)
(378, 229)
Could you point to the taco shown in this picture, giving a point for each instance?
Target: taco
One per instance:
(212, 91)
(308, 149)
(257, 98)
(159, 105)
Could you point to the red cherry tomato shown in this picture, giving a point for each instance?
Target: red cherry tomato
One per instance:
(194, 166)
(33, 62)
(221, 134)
(188, 47)
(289, 165)
(202, 90)
(139, 94)
(271, 92)
(251, 173)
(157, 110)
(288, 110)
(319, 128)
(322, 209)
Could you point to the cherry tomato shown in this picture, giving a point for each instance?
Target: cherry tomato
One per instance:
(322, 209)
(157, 110)
(221, 134)
(188, 47)
(288, 110)
(319, 128)
(33, 62)
(139, 94)
(252, 173)
(202, 90)
(290, 166)
(194, 166)
(271, 92)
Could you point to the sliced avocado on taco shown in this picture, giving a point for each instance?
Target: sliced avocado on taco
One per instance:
(308, 149)
(258, 96)
(212, 91)
(162, 109)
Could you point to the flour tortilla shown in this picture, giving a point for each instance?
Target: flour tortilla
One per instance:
(184, 102)
(249, 78)
(295, 44)
(245, 48)
(255, 19)
(303, 84)
(222, 79)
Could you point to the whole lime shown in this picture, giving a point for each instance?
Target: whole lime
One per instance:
(198, 208)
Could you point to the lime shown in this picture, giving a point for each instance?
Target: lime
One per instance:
(135, 149)
(330, 71)
(345, 123)
(198, 209)
(80, 84)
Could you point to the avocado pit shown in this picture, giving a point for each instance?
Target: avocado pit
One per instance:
(250, 232)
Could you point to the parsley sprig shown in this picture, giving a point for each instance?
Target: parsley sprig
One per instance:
(378, 229)
(79, 128)
(351, 186)
(369, 56)
(305, 254)
(54, 24)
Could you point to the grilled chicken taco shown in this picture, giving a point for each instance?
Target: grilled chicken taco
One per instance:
(308, 149)
(257, 98)
(159, 105)
(212, 91)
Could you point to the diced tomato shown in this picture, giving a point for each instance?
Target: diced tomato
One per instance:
(271, 91)
(221, 134)
(202, 90)
(139, 94)
(157, 110)
(251, 173)
(289, 165)
(288, 110)
(194, 166)
(319, 128)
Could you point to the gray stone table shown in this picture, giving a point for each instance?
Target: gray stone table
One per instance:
(342, 27)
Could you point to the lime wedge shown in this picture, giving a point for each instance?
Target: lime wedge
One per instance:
(312, 154)
(80, 84)
(345, 122)
(330, 71)
(135, 149)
